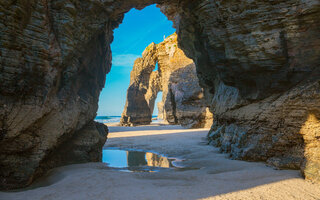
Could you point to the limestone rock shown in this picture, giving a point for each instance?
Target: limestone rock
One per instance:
(137, 111)
(54, 58)
(160, 110)
(182, 101)
(84, 146)
(257, 61)
(187, 96)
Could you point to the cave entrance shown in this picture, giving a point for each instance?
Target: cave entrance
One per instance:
(138, 29)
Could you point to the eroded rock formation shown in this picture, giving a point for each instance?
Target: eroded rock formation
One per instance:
(258, 62)
(54, 57)
(182, 101)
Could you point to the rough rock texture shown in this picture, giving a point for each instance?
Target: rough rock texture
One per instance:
(182, 100)
(137, 111)
(84, 146)
(54, 56)
(186, 102)
(258, 62)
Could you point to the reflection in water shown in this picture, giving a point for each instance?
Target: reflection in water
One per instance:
(155, 160)
(134, 159)
(115, 158)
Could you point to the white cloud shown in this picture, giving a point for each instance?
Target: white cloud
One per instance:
(124, 60)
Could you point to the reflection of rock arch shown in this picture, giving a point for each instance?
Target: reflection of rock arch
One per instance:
(182, 100)
(136, 158)
(155, 160)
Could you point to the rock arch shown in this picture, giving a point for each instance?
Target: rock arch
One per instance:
(258, 62)
(182, 101)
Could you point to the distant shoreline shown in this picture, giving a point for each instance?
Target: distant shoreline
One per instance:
(114, 119)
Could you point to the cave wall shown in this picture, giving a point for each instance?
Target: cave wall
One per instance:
(258, 62)
(54, 56)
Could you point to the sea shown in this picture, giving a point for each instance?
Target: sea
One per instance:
(115, 119)
(107, 119)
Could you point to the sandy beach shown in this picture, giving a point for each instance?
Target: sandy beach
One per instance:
(216, 176)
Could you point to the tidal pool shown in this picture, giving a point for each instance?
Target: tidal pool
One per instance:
(137, 160)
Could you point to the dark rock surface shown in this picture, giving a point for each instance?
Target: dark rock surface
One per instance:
(258, 62)
(54, 56)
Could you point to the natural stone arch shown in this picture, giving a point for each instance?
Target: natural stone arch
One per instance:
(55, 54)
(182, 100)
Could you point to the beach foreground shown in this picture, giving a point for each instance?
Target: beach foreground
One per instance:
(217, 177)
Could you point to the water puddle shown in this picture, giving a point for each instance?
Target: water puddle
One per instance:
(131, 160)
(138, 160)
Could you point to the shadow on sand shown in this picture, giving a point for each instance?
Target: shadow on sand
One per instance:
(217, 175)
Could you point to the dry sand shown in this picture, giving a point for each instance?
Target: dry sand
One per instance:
(217, 178)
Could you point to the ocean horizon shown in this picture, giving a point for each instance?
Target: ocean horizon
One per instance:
(112, 119)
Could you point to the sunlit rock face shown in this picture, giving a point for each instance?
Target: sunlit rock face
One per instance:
(137, 111)
(155, 160)
(183, 100)
(258, 62)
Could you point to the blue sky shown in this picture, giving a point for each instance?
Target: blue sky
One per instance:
(138, 30)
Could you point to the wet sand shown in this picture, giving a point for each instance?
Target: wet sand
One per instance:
(217, 178)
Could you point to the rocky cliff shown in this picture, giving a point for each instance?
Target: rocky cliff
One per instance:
(258, 62)
(183, 100)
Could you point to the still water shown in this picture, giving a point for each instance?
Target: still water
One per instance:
(136, 160)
